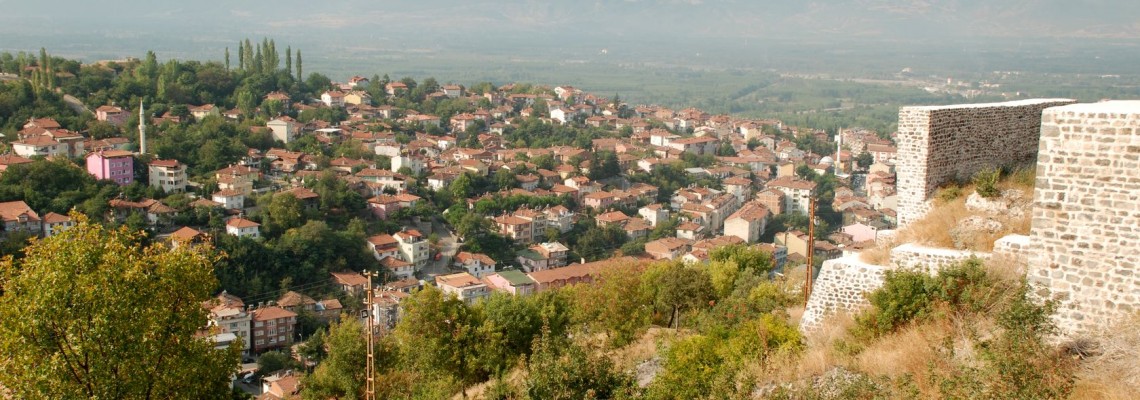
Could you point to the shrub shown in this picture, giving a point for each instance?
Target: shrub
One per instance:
(908, 296)
(986, 182)
(949, 193)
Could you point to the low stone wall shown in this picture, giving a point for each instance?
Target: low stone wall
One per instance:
(841, 286)
(930, 259)
(843, 283)
(1014, 248)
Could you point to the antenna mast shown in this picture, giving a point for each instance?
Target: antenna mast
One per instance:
(370, 369)
(810, 250)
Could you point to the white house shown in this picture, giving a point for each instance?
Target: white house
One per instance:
(242, 227)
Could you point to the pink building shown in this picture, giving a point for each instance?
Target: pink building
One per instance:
(116, 165)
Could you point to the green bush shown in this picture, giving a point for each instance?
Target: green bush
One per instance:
(949, 193)
(908, 296)
(986, 182)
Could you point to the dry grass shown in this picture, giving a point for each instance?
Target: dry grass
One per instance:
(1113, 371)
(934, 229)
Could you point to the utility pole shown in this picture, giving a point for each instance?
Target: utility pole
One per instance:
(370, 369)
(810, 249)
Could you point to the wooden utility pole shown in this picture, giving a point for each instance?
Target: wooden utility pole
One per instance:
(370, 369)
(810, 250)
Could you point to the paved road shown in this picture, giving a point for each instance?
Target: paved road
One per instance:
(448, 244)
(75, 104)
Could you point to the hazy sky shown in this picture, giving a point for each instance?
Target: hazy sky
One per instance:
(657, 30)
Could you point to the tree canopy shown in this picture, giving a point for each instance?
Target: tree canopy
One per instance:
(91, 313)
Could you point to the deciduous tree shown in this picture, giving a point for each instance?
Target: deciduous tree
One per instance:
(91, 313)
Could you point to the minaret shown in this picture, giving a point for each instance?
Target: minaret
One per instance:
(838, 151)
(142, 127)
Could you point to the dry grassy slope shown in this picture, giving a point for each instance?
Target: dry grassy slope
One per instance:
(938, 228)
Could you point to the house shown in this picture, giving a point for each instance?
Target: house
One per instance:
(518, 229)
(358, 97)
(18, 216)
(797, 193)
(350, 282)
(152, 210)
(272, 328)
(668, 248)
(242, 227)
(413, 247)
(860, 232)
(383, 205)
(578, 273)
(383, 246)
(115, 165)
(543, 256)
(463, 286)
(284, 129)
(280, 97)
(168, 175)
(333, 98)
(41, 145)
(296, 302)
(452, 91)
(230, 199)
(395, 88)
(204, 111)
(748, 222)
(286, 387)
(773, 199)
(186, 236)
(55, 223)
(654, 213)
(228, 314)
(7, 160)
(476, 264)
(111, 114)
(511, 281)
(399, 269)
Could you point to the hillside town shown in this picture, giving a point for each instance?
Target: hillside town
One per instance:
(319, 191)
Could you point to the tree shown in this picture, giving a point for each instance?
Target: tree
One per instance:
(436, 335)
(271, 362)
(341, 375)
(677, 288)
(568, 371)
(864, 160)
(113, 319)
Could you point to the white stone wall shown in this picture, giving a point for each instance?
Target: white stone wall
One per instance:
(841, 286)
(1086, 215)
(930, 259)
(941, 144)
(843, 283)
(1014, 248)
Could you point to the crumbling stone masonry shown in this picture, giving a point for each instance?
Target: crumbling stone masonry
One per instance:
(941, 144)
(1086, 214)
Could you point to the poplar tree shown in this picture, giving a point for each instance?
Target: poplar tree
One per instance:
(227, 59)
(289, 60)
(300, 77)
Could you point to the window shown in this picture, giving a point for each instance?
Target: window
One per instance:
(272, 332)
(259, 324)
(260, 342)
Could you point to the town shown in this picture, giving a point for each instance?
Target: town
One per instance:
(339, 203)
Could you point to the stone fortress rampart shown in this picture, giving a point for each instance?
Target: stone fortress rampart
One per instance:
(1086, 213)
(943, 144)
(1084, 243)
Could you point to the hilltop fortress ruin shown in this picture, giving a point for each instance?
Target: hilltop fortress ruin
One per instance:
(1084, 244)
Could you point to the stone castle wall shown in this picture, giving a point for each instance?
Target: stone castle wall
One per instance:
(930, 259)
(942, 144)
(1086, 214)
(840, 287)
